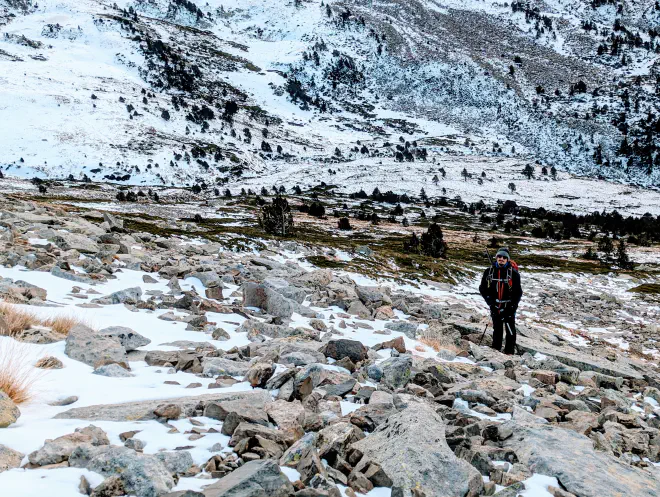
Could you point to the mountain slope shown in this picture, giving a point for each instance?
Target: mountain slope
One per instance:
(174, 92)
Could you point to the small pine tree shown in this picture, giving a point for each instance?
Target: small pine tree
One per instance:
(405, 222)
(590, 255)
(605, 245)
(316, 209)
(553, 172)
(512, 187)
(465, 174)
(276, 218)
(622, 259)
(435, 179)
(432, 242)
(344, 224)
(528, 172)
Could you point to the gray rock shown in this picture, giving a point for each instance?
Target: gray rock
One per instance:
(339, 349)
(9, 458)
(60, 449)
(261, 478)
(130, 339)
(216, 366)
(571, 458)
(64, 401)
(406, 327)
(358, 309)
(372, 296)
(128, 296)
(86, 345)
(375, 372)
(411, 449)
(113, 371)
(142, 475)
(177, 463)
(61, 273)
(75, 241)
(9, 412)
(256, 330)
(298, 358)
(396, 371)
(144, 410)
(208, 278)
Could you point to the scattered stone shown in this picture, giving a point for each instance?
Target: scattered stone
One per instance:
(9, 412)
(49, 362)
(86, 345)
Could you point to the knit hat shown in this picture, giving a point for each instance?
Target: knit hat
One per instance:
(504, 252)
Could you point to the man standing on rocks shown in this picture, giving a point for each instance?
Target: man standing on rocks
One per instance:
(500, 288)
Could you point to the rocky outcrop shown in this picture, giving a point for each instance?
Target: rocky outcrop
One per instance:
(86, 345)
(144, 410)
(571, 458)
(410, 448)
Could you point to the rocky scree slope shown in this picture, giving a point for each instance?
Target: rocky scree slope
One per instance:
(176, 92)
(316, 385)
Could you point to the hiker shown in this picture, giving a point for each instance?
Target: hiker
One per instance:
(500, 288)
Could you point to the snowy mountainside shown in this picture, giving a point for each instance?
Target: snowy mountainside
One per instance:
(181, 93)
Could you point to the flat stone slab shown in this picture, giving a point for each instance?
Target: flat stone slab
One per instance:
(582, 361)
(144, 410)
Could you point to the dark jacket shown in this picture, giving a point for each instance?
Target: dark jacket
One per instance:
(500, 290)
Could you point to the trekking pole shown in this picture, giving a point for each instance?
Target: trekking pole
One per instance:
(483, 334)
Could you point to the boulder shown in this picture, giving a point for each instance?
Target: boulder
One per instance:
(131, 340)
(9, 458)
(570, 457)
(143, 475)
(217, 366)
(75, 241)
(9, 412)
(60, 449)
(261, 478)
(86, 345)
(396, 371)
(406, 327)
(267, 299)
(113, 371)
(259, 374)
(128, 296)
(411, 450)
(190, 406)
(339, 349)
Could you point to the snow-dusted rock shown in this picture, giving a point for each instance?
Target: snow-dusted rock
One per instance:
(86, 345)
(130, 339)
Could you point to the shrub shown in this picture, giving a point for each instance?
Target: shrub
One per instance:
(344, 224)
(316, 209)
(432, 242)
(276, 218)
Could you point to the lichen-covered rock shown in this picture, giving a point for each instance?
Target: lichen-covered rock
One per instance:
(9, 458)
(256, 479)
(130, 339)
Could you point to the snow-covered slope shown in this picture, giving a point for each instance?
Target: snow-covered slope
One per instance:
(178, 92)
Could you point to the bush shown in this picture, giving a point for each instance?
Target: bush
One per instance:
(344, 224)
(276, 218)
(431, 243)
(316, 209)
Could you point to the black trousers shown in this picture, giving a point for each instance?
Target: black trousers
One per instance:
(501, 330)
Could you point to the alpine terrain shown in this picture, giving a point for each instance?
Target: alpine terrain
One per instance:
(310, 248)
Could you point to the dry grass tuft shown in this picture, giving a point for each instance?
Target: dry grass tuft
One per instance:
(15, 320)
(63, 324)
(17, 376)
(420, 348)
(438, 341)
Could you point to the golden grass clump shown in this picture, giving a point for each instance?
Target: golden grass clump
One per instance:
(62, 324)
(17, 376)
(438, 341)
(14, 320)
